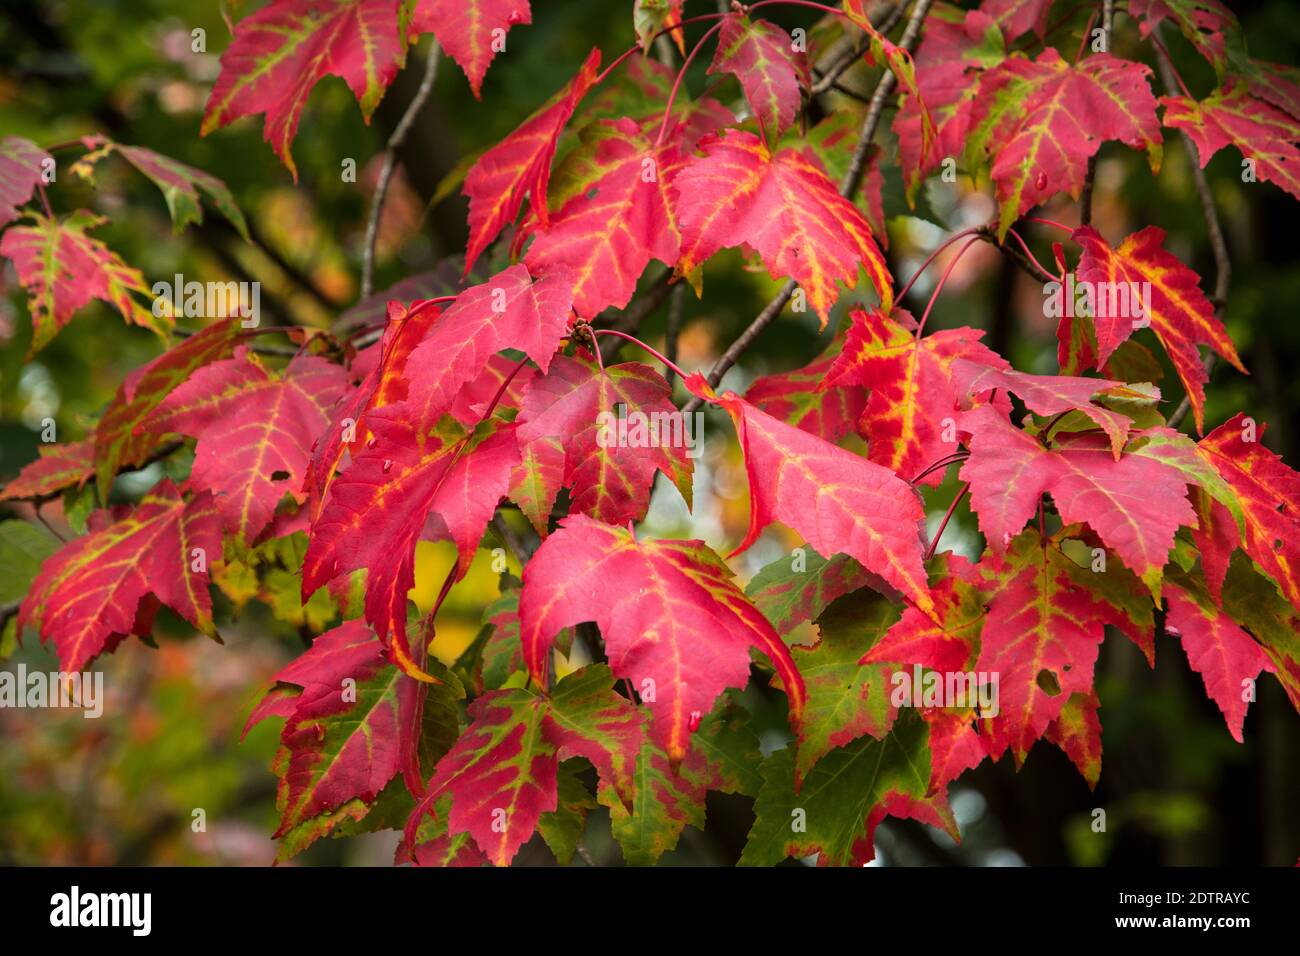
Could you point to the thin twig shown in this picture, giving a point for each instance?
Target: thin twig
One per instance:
(637, 312)
(390, 159)
(674, 327)
(1085, 198)
(523, 548)
(1214, 230)
(848, 186)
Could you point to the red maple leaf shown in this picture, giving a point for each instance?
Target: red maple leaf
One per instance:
(520, 165)
(1178, 311)
(837, 500)
(254, 429)
(569, 436)
(909, 421)
(613, 214)
(1040, 121)
(471, 31)
(22, 166)
(783, 206)
(1227, 658)
(1135, 504)
(281, 52)
(763, 57)
(673, 621)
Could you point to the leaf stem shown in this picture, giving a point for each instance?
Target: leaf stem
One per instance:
(1051, 222)
(956, 500)
(929, 259)
(668, 363)
(677, 83)
(943, 462)
(1024, 246)
(943, 279)
(623, 57)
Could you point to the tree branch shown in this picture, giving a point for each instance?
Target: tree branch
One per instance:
(1085, 198)
(852, 180)
(1214, 230)
(390, 159)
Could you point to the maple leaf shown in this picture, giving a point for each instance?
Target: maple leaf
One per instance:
(1253, 600)
(673, 621)
(946, 641)
(63, 269)
(417, 467)
(649, 17)
(1231, 116)
(502, 772)
(1018, 16)
(956, 49)
(568, 434)
(180, 184)
(470, 30)
(1056, 395)
(1135, 504)
(804, 398)
(846, 698)
(913, 399)
(509, 310)
(1040, 638)
(1205, 23)
(1178, 311)
(1227, 658)
(1077, 731)
(763, 58)
(1042, 120)
(1269, 495)
(119, 440)
(563, 828)
(281, 52)
(612, 213)
(843, 799)
(254, 430)
(955, 746)
(90, 590)
(59, 465)
(435, 846)
(838, 501)
(1219, 515)
(783, 206)
(520, 165)
(384, 384)
(22, 166)
(354, 722)
(790, 591)
(898, 60)
(724, 757)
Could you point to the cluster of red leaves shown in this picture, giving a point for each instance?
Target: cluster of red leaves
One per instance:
(496, 399)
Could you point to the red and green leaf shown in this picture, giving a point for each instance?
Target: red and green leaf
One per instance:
(92, 591)
(63, 269)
